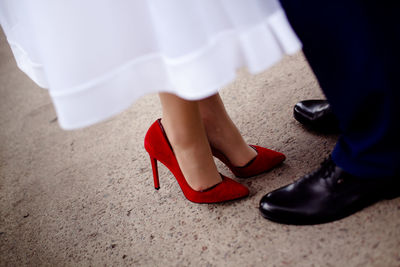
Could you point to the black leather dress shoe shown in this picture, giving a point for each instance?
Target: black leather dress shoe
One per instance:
(326, 195)
(317, 115)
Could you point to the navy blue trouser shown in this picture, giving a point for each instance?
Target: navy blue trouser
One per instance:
(353, 47)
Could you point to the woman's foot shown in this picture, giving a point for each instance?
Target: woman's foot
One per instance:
(189, 142)
(228, 144)
(223, 134)
(193, 154)
(159, 148)
(265, 160)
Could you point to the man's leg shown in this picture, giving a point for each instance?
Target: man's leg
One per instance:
(352, 46)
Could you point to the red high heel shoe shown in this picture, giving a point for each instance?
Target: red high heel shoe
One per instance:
(157, 145)
(265, 160)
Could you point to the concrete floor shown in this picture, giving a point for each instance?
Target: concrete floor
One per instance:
(86, 198)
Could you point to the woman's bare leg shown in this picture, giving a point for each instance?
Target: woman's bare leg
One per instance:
(185, 130)
(222, 132)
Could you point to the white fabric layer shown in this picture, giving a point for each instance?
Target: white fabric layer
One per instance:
(98, 56)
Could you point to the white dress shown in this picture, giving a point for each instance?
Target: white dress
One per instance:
(97, 57)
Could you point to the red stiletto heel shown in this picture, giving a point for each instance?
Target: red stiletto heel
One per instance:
(157, 145)
(154, 167)
(265, 160)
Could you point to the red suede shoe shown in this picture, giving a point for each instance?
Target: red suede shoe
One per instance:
(157, 145)
(265, 160)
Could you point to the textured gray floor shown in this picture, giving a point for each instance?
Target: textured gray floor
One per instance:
(86, 197)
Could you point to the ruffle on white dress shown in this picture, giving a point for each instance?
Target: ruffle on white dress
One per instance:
(98, 56)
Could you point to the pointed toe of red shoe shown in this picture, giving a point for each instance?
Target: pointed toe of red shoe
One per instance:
(227, 190)
(273, 157)
(265, 160)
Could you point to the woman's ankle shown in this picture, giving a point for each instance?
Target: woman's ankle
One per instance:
(229, 141)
